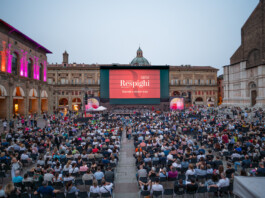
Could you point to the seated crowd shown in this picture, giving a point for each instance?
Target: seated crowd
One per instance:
(64, 158)
(196, 151)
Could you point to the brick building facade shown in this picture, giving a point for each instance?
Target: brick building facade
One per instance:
(244, 78)
(23, 74)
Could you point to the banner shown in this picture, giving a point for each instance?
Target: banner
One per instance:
(176, 103)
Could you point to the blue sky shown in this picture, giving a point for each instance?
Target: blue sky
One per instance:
(173, 32)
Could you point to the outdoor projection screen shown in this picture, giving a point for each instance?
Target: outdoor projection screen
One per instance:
(134, 83)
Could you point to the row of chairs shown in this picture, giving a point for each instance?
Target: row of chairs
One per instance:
(83, 194)
(184, 190)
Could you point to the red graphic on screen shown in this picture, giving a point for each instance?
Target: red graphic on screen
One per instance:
(134, 83)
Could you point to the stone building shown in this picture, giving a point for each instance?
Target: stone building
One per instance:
(198, 85)
(244, 78)
(23, 74)
(71, 82)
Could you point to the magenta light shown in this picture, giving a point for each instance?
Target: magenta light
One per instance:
(36, 66)
(22, 64)
(25, 64)
(9, 59)
(44, 71)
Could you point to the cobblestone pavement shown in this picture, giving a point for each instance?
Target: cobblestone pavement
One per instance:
(125, 181)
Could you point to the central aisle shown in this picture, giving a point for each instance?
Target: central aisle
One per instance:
(125, 181)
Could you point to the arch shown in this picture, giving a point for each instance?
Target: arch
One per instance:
(76, 104)
(15, 66)
(76, 100)
(30, 68)
(252, 85)
(184, 94)
(18, 91)
(3, 91)
(199, 99)
(19, 101)
(33, 93)
(44, 94)
(63, 102)
(253, 58)
(210, 99)
(176, 93)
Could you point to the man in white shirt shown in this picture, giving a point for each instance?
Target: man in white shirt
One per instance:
(106, 187)
(170, 157)
(25, 156)
(48, 176)
(157, 187)
(223, 182)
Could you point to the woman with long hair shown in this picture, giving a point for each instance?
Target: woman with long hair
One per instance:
(67, 166)
(190, 171)
(94, 188)
(10, 190)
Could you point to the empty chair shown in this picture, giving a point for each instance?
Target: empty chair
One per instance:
(106, 194)
(224, 190)
(24, 195)
(202, 190)
(82, 195)
(145, 193)
(169, 192)
(35, 195)
(60, 195)
(79, 182)
(94, 195)
(157, 193)
(88, 182)
(70, 195)
(58, 185)
(213, 190)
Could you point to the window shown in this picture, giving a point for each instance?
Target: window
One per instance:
(184, 82)
(210, 81)
(41, 72)
(62, 81)
(202, 81)
(199, 82)
(213, 82)
(62, 92)
(89, 81)
(172, 82)
(196, 82)
(30, 65)
(191, 81)
(176, 81)
(14, 63)
(188, 81)
(207, 82)
(49, 80)
(98, 81)
(76, 81)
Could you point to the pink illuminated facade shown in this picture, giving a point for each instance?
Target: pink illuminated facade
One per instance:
(24, 88)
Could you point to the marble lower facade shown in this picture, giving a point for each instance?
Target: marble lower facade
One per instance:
(244, 86)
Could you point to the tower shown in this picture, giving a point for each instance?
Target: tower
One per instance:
(65, 58)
